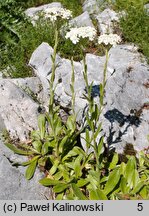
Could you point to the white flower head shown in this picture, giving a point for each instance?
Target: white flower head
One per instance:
(111, 39)
(56, 12)
(75, 34)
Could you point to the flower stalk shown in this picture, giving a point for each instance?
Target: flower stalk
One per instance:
(53, 57)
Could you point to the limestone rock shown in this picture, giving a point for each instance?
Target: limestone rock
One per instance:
(18, 111)
(125, 115)
(127, 77)
(146, 6)
(1, 75)
(82, 20)
(126, 99)
(41, 63)
(2, 125)
(106, 20)
(13, 185)
(32, 13)
(92, 6)
(32, 86)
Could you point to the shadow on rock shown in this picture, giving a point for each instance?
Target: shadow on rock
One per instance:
(116, 116)
(95, 91)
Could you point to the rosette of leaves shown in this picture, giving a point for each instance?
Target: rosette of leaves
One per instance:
(76, 177)
(49, 144)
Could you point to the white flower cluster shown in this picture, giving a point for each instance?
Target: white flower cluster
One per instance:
(111, 39)
(56, 12)
(75, 34)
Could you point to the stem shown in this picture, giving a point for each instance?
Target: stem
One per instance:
(72, 87)
(88, 88)
(85, 74)
(51, 102)
(101, 107)
(105, 69)
(102, 89)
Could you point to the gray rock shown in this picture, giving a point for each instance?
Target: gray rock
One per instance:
(2, 125)
(126, 93)
(92, 6)
(146, 6)
(125, 115)
(82, 20)
(106, 20)
(1, 75)
(13, 185)
(32, 13)
(18, 111)
(32, 86)
(125, 90)
(41, 63)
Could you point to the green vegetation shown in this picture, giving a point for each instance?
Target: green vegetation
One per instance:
(18, 38)
(74, 172)
(135, 25)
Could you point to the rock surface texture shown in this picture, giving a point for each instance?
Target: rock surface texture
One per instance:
(18, 111)
(126, 96)
(125, 116)
(13, 185)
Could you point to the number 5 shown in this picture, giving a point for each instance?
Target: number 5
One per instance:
(140, 207)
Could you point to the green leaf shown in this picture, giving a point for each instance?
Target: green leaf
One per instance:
(30, 161)
(65, 172)
(95, 114)
(74, 152)
(97, 195)
(58, 126)
(113, 180)
(62, 143)
(54, 167)
(101, 93)
(93, 181)
(48, 182)
(58, 175)
(18, 151)
(59, 188)
(82, 182)
(138, 187)
(123, 185)
(114, 161)
(45, 147)
(35, 135)
(122, 168)
(31, 170)
(87, 138)
(41, 125)
(144, 192)
(77, 166)
(79, 151)
(71, 124)
(59, 196)
(135, 178)
(98, 130)
(130, 169)
(100, 147)
(37, 145)
(90, 123)
(78, 193)
(42, 161)
(104, 179)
